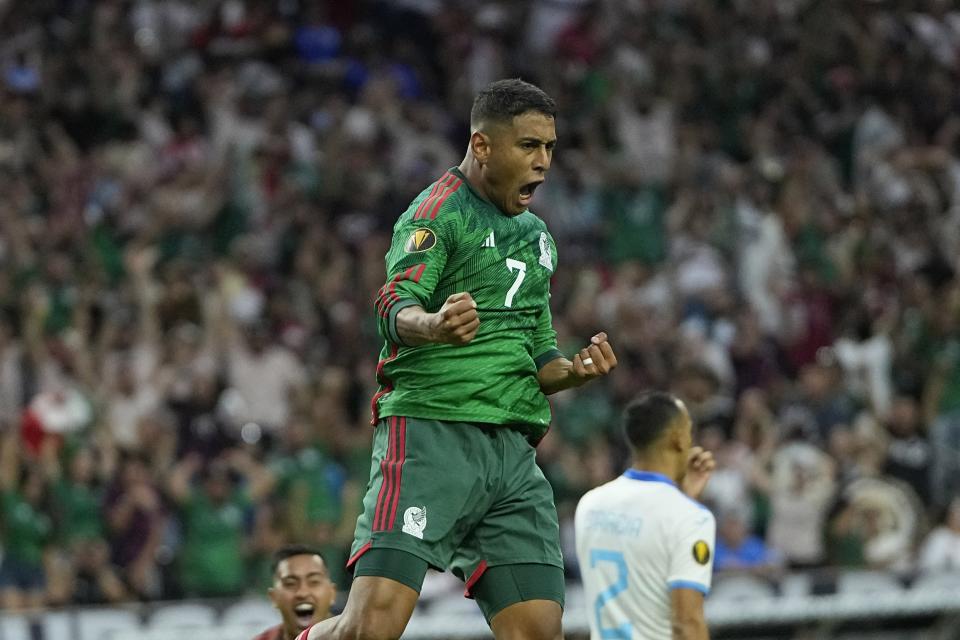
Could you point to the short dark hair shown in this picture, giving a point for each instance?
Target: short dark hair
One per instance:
(290, 550)
(647, 417)
(504, 99)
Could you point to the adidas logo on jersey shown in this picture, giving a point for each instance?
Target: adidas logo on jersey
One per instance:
(490, 242)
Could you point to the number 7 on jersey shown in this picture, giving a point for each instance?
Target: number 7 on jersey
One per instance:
(521, 268)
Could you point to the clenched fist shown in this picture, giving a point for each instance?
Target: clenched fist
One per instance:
(457, 320)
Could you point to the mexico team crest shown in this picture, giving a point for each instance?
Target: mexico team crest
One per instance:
(415, 521)
(546, 255)
(420, 240)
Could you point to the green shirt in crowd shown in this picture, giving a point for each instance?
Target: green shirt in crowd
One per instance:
(213, 562)
(25, 529)
(77, 511)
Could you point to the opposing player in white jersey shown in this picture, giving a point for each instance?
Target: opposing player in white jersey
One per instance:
(643, 542)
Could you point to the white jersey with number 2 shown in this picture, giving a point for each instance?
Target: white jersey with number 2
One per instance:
(637, 538)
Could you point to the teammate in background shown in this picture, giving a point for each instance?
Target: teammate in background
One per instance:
(643, 543)
(301, 591)
(470, 355)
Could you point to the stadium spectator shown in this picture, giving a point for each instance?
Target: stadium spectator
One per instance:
(216, 516)
(26, 527)
(940, 550)
(81, 571)
(314, 494)
(739, 550)
(135, 517)
(801, 489)
(909, 454)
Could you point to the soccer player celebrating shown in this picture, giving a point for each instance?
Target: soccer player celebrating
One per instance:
(469, 357)
(643, 543)
(301, 591)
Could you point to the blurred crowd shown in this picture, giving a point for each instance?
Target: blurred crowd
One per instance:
(759, 200)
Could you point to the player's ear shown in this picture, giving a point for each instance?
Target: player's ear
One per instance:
(480, 146)
(272, 594)
(676, 438)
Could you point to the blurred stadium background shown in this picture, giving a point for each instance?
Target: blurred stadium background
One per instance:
(758, 199)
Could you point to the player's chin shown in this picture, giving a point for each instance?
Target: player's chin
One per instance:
(516, 205)
(303, 624)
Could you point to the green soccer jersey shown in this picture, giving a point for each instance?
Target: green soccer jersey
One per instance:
(213, 540)
(449, 240)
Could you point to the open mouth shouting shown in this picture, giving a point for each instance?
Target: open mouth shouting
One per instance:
(304, 613)
(526, 192)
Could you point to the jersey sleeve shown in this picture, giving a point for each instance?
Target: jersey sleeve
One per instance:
(691, 552)
(418, 253)
(545, 337)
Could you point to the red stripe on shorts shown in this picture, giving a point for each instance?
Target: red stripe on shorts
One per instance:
(383, 495)
(398, 472)
(474, 577)
(362, 550)
(386, 523)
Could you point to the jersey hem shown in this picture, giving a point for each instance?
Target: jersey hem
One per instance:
(512, 561)
(505, 420)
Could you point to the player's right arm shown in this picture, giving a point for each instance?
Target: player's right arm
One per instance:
(415, 262)
(456, 322)
(686, 616)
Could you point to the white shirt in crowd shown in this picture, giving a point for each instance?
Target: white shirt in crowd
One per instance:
(941, 550)
(264, 381)
(638, 537)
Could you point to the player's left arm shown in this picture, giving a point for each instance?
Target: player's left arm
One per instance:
(595, 360)
(686, 615)
(691, 569)
(554, 371)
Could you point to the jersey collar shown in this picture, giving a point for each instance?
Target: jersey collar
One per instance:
(456, 171)
(648, 476)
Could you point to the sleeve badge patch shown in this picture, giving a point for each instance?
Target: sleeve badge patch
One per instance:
(701, 552)
(546, 255)
(420, 240)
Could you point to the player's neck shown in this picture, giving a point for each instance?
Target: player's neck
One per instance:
(664, 465)
(473, 172)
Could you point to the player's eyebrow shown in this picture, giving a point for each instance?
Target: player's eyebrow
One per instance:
(549, 143)
(297, 576)
(316, 574)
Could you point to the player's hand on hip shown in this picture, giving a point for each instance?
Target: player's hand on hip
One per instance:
(700, 466)
(457, 320)
(595, 360)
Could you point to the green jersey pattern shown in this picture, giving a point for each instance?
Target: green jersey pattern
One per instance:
(451, 240)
